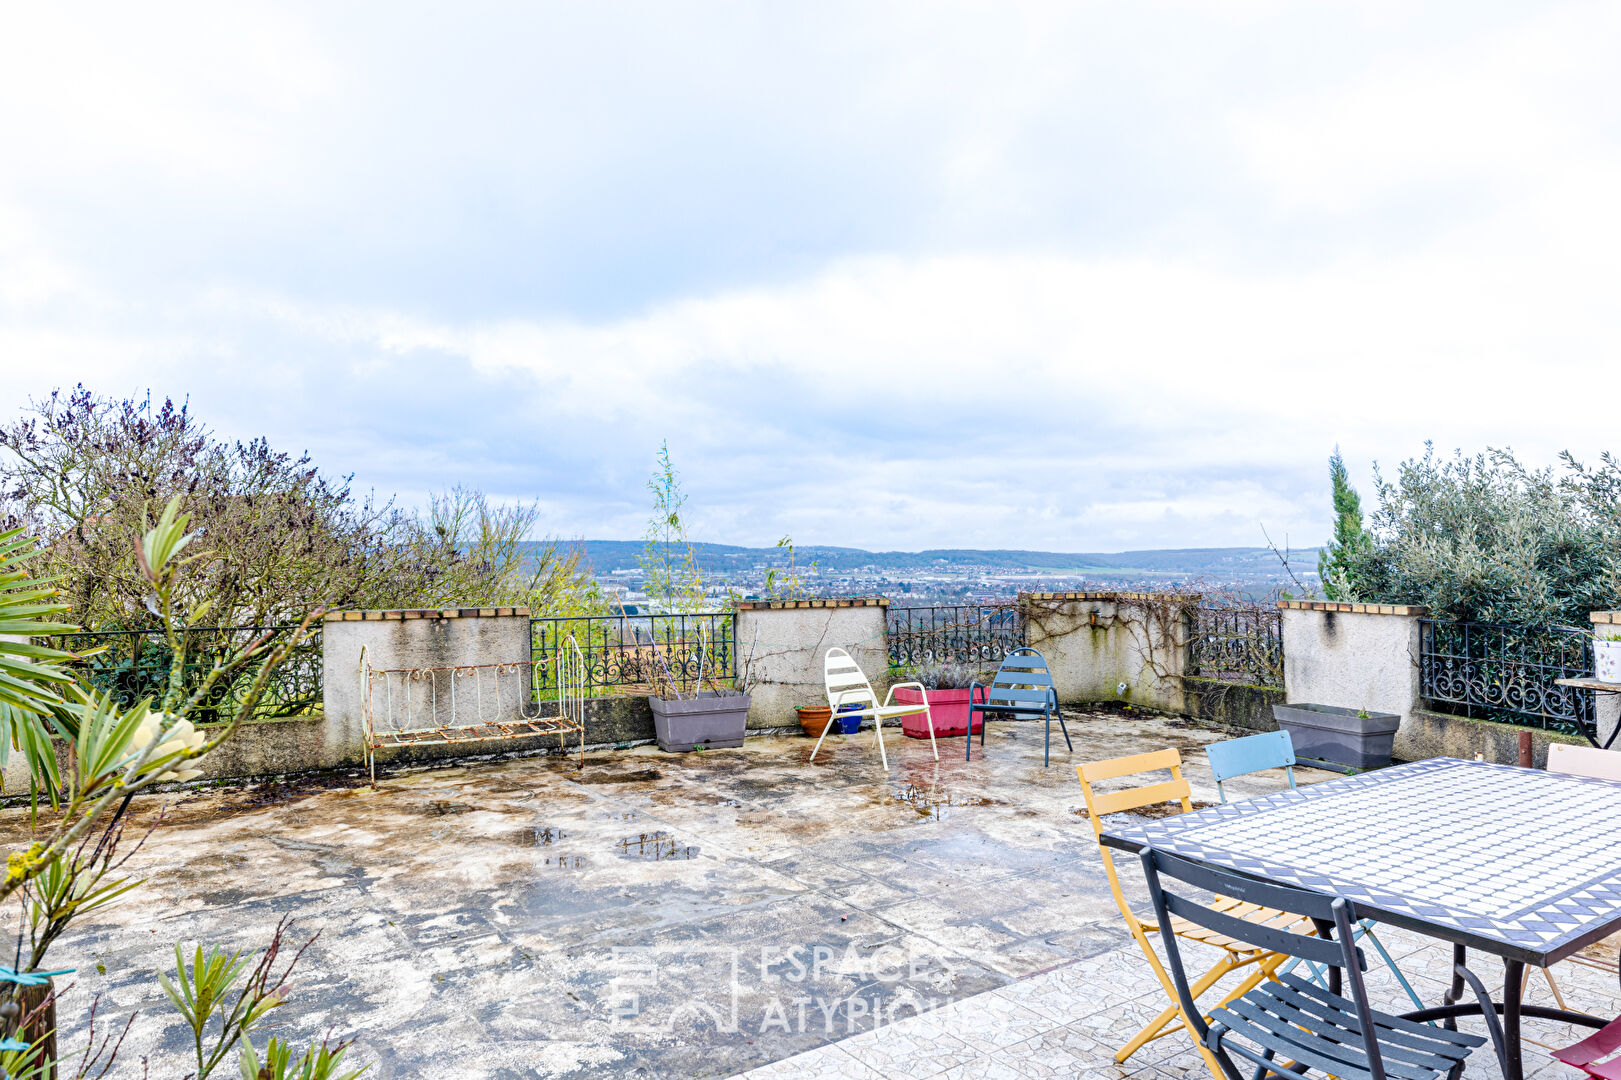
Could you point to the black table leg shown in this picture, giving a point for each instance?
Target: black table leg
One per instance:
(1513, 978)
(1453, 996)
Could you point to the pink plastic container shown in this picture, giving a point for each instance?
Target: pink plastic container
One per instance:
(948, 707)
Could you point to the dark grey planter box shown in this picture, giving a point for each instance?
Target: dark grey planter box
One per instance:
(714, 720)
(1333, 735)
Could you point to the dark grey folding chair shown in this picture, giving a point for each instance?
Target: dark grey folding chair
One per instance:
(1022, 689)
(1293, 1026)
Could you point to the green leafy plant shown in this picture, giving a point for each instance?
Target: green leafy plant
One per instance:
(669, 567)
(318, 1062)
(1489, 539)
(219, 1012)
(786, 583)
(1340, 561)
(113, 754)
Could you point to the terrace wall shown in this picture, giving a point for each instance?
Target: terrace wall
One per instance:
(1366, 656)
(1111, 646)
(781, 645)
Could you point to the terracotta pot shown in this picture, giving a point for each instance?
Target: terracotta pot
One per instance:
(813, 718)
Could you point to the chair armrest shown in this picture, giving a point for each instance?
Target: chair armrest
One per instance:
(889, 698)
(977, 686)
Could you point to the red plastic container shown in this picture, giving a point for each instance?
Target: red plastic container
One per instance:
(948, 707)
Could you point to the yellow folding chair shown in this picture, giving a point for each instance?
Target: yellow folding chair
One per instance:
(1235, 954)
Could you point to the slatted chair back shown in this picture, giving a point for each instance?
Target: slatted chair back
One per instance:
(1329, 914)
(1584, 761)
(1134, 798)
(1023, 679)
(846, 683)
(1250, 754)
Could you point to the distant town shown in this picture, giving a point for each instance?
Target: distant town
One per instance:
(953, 576)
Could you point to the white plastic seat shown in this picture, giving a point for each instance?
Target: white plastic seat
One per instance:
(848, 685)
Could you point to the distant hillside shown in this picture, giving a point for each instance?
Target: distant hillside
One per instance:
(606, 556)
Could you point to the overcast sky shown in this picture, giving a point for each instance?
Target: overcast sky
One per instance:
(1069, 276)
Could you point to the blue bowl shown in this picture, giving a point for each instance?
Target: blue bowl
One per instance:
(848, 725)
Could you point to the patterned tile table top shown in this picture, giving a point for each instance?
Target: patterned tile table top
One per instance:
(1502, 856)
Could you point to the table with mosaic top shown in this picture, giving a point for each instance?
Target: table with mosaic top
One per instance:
(1518, 863)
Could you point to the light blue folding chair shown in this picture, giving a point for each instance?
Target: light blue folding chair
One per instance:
(1275, 750)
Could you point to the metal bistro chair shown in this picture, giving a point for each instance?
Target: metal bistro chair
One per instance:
(848, 685)
(1022, 688)
(1236, 949)
(1276, 750)
(1290, 1027)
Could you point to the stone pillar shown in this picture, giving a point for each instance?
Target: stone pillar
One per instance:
(411, 639)
(781, 645)
(1606, 706)
(1359, 656)
(1095, 642)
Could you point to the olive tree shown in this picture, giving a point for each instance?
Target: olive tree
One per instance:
(1486, 538)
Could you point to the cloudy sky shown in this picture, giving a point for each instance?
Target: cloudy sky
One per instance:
(1067, 276)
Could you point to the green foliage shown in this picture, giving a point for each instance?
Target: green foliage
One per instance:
(1339, 561)
(787, 583)
(318, 1062)
(1489, 539)
(80, 471)
(31, 676)
(669, 567)
(218, 1013)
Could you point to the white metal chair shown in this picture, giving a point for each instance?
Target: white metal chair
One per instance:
(847, 685)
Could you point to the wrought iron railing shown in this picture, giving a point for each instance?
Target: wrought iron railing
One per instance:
(134, 664)
(955, 634)
(1506, 673)
(640, 654)
(1236, 644)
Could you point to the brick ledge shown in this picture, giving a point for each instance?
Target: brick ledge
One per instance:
(828, 602)
(1409, 610)
(400, 614)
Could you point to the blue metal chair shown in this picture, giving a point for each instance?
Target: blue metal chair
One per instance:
(1275, 750)
(1022, 689)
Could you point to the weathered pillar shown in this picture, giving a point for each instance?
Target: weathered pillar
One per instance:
(1359, 656)
(1113, 646)
(781, 645)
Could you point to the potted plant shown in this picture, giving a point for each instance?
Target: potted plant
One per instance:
(813, 718)
(1607, 655)
(712, 719)
(947, 688)
(1339, 738)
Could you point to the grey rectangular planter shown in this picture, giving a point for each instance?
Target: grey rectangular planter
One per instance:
(1338, 736)
(715, 719)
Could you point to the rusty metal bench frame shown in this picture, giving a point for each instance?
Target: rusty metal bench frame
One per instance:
(422, 706)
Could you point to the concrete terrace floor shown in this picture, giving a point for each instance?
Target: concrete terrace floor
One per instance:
(661, 915)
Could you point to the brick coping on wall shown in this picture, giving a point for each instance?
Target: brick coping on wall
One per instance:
(1353, 609)
(1608, 618)
(425, 613)
(1109, 596)
(831, 602)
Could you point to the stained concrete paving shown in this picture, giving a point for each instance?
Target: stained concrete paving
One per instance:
(651, 915)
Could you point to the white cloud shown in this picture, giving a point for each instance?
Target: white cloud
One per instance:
(1068, 277)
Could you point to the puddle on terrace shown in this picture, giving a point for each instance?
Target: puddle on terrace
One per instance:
(636, 777)
(537, 836)
(1153, 812)
(936, 804)
(565, 862)
(655, 846)
(444, 807)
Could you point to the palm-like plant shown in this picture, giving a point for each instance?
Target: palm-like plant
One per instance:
(33, 678)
